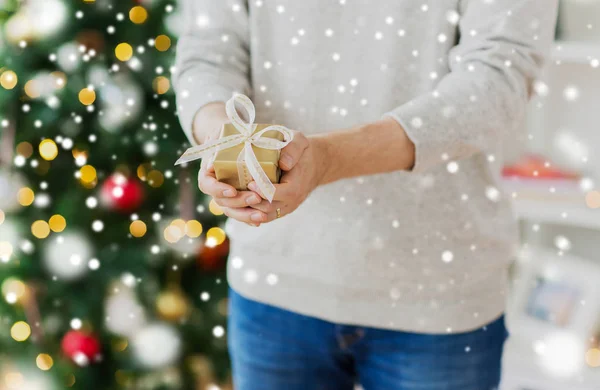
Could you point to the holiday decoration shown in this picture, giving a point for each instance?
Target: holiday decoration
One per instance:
(121, 193)
(124, 314)
(245, 151)
(121, 101)
(157, 345)
(87, 99)
(212, 257)
(37, 19)
(82, 348)
(180, 236)
(66, 255)
(172, 305)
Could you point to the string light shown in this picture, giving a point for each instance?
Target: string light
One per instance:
(32, 89)
(40, 229)
(48, 149)
(88, 174)
(137, 228)
(24, 149)
(173, 233)
(44, 361)
(124, 51)
(193, 228)
(155, 178)
(138, 14)
(20, 331)
(25, 196)
(8, 79)
(215, 208)
(57, 223)
(161, 85)
(142, 171)
(216, 235)
(14, 289)
(87, 96)
(162, 43)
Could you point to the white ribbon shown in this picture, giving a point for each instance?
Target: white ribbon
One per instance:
(246, 158)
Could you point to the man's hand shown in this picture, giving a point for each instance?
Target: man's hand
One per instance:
(234, 203)
(303, 162)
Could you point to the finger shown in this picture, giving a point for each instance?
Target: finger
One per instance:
(283, 191)
(242, 199)
(267, 207)
(271, 209)
(208, 183)
(247, 214)
(290, 155)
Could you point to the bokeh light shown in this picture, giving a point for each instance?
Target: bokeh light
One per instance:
(25, 196)
(155, 178)
(40, 229)
(32, 89)
(193, 228)
(137, 228)
(123, 51)
(8, 79)
(48, 149)
(87, 96)
(44, 361)
(24, 149)
(20, 331)
(88, 174)
(161, 85)
(15, 288)
(162, 43)
(215, 208)
(138, 14)
(215, 235)
(57, 223)
(173, 233)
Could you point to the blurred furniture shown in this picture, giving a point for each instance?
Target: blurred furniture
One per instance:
(553, 310)
(564, 118)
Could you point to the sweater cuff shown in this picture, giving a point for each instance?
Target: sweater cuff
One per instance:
(191, 99)
(424, 128)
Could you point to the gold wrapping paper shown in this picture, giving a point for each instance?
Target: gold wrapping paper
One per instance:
(226, 166)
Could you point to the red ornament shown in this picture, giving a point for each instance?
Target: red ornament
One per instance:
(122, 193)
(81, 347)
(213, 258)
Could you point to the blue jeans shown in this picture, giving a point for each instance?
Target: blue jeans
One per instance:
(275, 349)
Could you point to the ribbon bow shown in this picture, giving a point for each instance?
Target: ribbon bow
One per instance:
(248, 138)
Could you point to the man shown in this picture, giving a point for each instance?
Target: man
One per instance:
(383, 257)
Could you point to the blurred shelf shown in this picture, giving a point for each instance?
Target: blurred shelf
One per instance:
(576, 52)
(560, 213)
(565, 205)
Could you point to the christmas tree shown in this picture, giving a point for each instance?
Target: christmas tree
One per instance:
(111, 261)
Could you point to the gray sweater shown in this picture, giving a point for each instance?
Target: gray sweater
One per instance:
(422, 251)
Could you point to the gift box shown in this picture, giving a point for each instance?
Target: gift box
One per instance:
(229, 170)
(244, 151)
